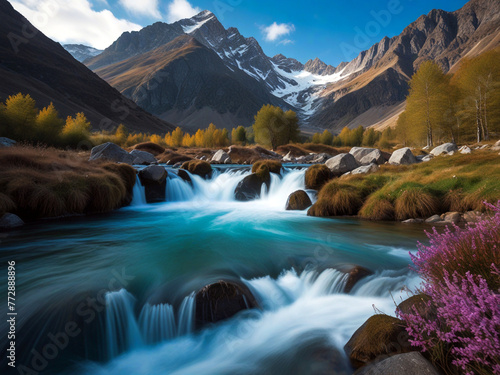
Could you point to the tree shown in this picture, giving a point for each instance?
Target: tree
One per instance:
(370, 137)
(239, 135)
(20, 113)
(426, 101)
(48, 125)
(273, 127)
(121, 134)
(402, 128)
(76, 130)
(177, 136)
(478, 80)
(326, 138)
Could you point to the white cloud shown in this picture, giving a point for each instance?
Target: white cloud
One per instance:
(286, 42)
(180, 9)
(142, 7)
(276, 30)
(74, 21)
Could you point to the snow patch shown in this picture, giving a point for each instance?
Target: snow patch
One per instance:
(196, 26)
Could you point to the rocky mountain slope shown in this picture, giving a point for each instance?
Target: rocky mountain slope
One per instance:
(33, 64)
(81, 52)
(369, 90)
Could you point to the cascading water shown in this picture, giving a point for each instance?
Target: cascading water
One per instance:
(186, 315)
(157, 323)
(139, 194)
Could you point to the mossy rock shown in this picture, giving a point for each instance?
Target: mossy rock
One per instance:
(273, 166)
(317, 175)
(198, 167)
(418, 303)
(222, 300)
(379, 337)
(298, 201)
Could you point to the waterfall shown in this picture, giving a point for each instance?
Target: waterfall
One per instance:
(178, 190)
(157, 323)
(139, 194)
(186, 315)
(122, 330)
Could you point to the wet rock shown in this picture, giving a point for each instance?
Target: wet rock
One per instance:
(10, 221)
(341, 164)
(380, 336)
(143, 157)
(154, 180)
(7, 142)
(221, 157)
(355, 274)
(220, 301)
(412, 363)
(184, 175)
(403, 156)
(317, 175)
(110, 151)
(445, 148)
(250, 187)
(413, 221)
(298, 201)
(198, 167)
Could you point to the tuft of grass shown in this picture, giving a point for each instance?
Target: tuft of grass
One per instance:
(150, 147)
(43, 182)
(415, 203)
(273, 166)
(377, 207)
(337, 199)
(198, 167)
(317, 175)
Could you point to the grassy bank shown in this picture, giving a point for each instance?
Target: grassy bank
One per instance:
(46, 182)
(446, 183)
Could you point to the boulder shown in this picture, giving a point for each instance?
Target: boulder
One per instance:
(445, 148)
(465, 150)
(427, 158)
(376, 156)
(198, 167)
(221, 157)
(7, 142)
(403, 156)
(496, 146)
(412, 363)
(184, 175)
(9, 221)
(220, 301)
(306, 159)
(341, 164)
(154, 180)
(452, 217)
(110, 151)
(360, 152)
(274, 166)
(417, 304)
(317, 175)
(371, 168)
(298, 201)
(433, 219)
(380, 336)
(143, 157)
(413, 221)
(250, 187)
(472, 216)
(355, 274)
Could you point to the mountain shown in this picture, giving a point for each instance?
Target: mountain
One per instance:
(81, 52)
(369, 90)
(33, 64)
(185, 82)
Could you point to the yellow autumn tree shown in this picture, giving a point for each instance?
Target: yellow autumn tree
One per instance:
(76, 131)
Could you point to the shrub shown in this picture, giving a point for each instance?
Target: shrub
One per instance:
(462, 278)
(415, 203)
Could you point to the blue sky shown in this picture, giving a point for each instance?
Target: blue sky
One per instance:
(334, 31)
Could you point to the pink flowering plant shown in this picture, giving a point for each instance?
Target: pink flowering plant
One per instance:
(460, 270)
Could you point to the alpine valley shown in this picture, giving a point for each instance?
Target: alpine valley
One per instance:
(195, 71)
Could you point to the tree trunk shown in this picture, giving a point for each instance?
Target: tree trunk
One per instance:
(478, 122)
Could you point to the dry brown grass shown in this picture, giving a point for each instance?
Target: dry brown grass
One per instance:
(172, 157)
(198, 167)
(297, 150)
(40, 182)
(377, 208)
(317, 175)
(337, 199)
(416, 203)
(150, 147)
(273, 166)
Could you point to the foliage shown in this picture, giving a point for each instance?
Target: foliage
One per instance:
(76, 131)
(239, 135)
(274, 127)
(461, 276)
